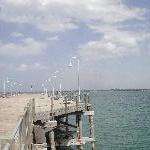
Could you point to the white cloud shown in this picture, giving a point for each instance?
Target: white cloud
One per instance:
(31, 67)
(22, 67)
(27, 46)
(103, 16)
(114, 43)
(56, 26)
(17, 35)
(59, 16)
(53, 38)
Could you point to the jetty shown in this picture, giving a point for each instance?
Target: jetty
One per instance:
(41, 122)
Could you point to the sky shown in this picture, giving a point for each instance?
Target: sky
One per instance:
(111, 38)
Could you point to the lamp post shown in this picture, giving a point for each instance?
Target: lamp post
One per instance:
(6, 82)
(60, 90)
(10, 85)
(78, 65)
(31, 88)
(9, 82)
(43, 88)
(60, 86)
(53, 90)
(11, 93)
(4, 87)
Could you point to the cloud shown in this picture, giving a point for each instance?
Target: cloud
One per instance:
(53, 38)
(16, 35)
(30, 67)
(107, 18)
(56, 26)
(60, 16)
(22, 67)
(27, 46)
(114, 43)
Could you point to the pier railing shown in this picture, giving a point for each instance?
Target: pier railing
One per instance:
(21, 138)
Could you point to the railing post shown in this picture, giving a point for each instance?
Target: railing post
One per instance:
(85, 101)
(52, 107)
(66, 113)
(52, 140)
(88, 98)
(66, 108)
(79, 130)
(77, 103)
(91, 121)
(33, 108)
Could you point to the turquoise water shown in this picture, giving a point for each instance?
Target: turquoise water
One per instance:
(122, 120)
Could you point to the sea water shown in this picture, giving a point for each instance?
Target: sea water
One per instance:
(122, 120)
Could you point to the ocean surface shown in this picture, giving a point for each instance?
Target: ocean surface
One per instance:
(122, 120)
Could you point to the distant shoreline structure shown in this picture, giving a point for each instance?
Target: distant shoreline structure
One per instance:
(125, 90)
(117, 89)
(84, 90)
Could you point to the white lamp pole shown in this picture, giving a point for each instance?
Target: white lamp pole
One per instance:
(43, 89)
(54, 85)
(10, 84)
(70, 65)
(4, 86)
(60, 90)
(53, 92)
(46, 91)
(11, 89)
(79, 80)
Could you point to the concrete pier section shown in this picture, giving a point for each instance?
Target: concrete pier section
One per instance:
(41, 122)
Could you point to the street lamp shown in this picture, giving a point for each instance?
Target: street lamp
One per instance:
(5, 83)
(60, 86)
(44, 89)
(8, 81)
(78, 63)
(4, 87)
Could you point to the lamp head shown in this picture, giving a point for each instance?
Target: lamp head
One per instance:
(74, 57)
(49, 79)
(56, 71)
(7, 80)
(70, 64)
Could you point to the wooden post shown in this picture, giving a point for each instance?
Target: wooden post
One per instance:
(91, 121)
(85, 101)
(67, 127)
(77, 103)
(66, 113)
(33, 108)
(88, 98)
(52, 140)
(78, 123)
(79, 130)
(52, 107)
(66, 108)
(88, 102)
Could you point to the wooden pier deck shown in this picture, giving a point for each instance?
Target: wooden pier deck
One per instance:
(17, 115)
(11, 110)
